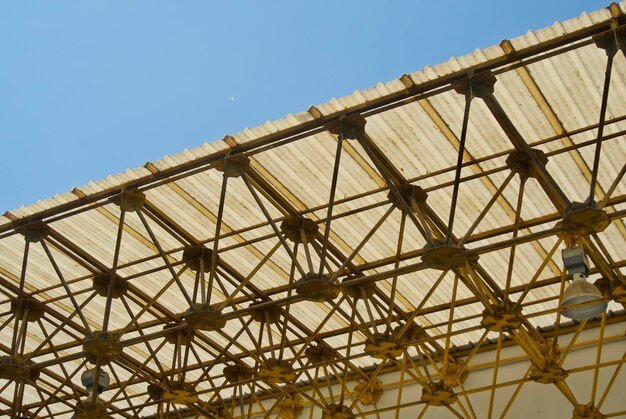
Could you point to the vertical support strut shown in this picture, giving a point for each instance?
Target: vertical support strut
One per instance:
(331, 199)
(609, 44)
(116, 255)
(216, 239)
(483, 88)
(20, 297)
(272, 223)
(469, 95)
(518, 218)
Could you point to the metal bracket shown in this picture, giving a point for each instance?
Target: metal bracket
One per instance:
(33, 309)
(351, 127)
(409, 193)
(497, 318)
(233, 166)
(337, 411)
(362, 290)
(291, 227)
(476, 85)
(131, 201)
(193, 255)
(101, 347)
(368, 393)
(523, 164)
(438, 394)
(320, 353)
(101, 285)
(277, 371)
(612, 40)
(237, 373)
(34, 232)
(315, 287)
(444, 256)
(204, 318)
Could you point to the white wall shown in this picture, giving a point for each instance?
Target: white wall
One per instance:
(535, 400)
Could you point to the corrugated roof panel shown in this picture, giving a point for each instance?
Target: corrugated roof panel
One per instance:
(572, 85)
(309, 174)
(522, 108)
(450, 106)
(411, 141)
(42, 205)
(417, 141)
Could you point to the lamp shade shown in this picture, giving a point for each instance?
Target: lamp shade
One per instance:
(580, 291)
(88, 378)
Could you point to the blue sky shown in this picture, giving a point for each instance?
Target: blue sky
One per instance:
(91, 88)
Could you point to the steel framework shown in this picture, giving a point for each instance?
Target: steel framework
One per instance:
(371, 244)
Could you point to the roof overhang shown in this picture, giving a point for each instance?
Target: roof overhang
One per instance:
(402, 228)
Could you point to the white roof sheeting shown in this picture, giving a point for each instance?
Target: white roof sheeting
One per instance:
(552, 98)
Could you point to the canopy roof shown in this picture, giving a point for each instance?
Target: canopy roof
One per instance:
(396, 229)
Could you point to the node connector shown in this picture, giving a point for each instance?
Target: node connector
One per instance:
(502, 318)
(101, 346)
(613, 289)
(237, 373)
(277, 371)
(17, 370)
(35, 232)
(383, 346)
(587, 411)
(290, 406)
(268, 314)
(175, 392)
(315, 287)
(548, 375)
(351, 127)
(337, 411)
(548, 371)
(90, 409)
(198, 258)
(182, 333)
(582, 219)
(130, 201)
(522, 163)
(233, 166)
(296, 226)
(364, 290)
(411, 335)
(180, 393)
(368, 393)
(409, 193)
(101, 282)
(29, 307)
(202, 317)
(445, 256)
(320, 353)
(438, 394)
(218, 411)
(455, 373)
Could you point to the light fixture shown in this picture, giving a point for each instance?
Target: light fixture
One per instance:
(586, 297)
(88, 378)
(92, 407)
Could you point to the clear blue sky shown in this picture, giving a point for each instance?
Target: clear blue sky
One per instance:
(91, 88)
